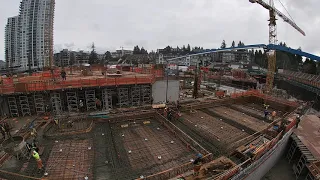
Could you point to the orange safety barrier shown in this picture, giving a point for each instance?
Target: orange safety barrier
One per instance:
(45, 82)
(263, 96)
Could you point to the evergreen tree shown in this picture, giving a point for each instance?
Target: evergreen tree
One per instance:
(233, 44)
(183, 48)
(107, 57)
(143, 51)
(188, 48)
(309, 66)
(93, 58)
(223, 44)
(136, 50)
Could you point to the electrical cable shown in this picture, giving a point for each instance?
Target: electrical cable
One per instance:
(286, 10)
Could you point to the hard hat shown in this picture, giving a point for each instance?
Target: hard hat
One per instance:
(199, 155)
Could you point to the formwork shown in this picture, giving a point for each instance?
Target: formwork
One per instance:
(46, 92)
(213, 128)
(148, 146)
(69, 100)
(144, 143)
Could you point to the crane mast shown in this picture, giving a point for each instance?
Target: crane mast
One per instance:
(272, 53)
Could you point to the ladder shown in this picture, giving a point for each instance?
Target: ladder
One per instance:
(291, 151)
(56, 103)
(91, 100)
(39, 103)
(146, 94)
(107, 99)
(135, 95)
(24, 105)
(72, 101)
(13, 107)
(123, 96)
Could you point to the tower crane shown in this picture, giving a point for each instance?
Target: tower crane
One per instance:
(273, 37)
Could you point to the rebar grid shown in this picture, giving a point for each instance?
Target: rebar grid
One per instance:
(239, 117)
(213, 128)
(143, 145)
(71, 159)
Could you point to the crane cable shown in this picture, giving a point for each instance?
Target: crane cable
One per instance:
(286, 10)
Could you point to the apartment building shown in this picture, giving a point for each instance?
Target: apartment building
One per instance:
(11, 41)
(36, 33)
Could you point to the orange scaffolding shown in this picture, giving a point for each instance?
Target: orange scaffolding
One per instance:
(43, 84)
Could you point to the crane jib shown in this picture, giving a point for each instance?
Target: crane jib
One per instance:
(280, 14)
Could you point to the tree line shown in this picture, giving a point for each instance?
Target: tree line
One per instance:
(285, 60)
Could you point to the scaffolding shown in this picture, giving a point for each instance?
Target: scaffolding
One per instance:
(107, 99)
(146, 94)
(299, 155)
(13, 107)
(56, 102)
(123, 96)
(39, 103)
(24, 105)
(135, 95)
(90, 100)
(72, 101)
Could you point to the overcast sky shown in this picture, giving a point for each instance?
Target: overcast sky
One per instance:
(153, 24)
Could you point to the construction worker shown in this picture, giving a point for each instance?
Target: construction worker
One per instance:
(197, 164)
(33, 133)
(98, 103)
(7, 129)
(298, 120)
(36, 156)
(81, 105)
(266, 113)
(273, 114)
(3, 131)
(63, 75)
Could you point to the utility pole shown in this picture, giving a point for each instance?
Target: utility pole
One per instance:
(167, 71)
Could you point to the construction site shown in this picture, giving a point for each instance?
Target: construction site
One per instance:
(123, 136)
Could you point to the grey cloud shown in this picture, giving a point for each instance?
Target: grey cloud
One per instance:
(156, 24)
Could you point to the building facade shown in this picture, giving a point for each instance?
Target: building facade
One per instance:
(11, 42)
(233, 56)
(121, 52)
(36, 33)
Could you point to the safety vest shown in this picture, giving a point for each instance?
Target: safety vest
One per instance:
(36, 156)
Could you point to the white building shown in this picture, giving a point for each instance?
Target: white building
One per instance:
(11, 41)
(36, 33)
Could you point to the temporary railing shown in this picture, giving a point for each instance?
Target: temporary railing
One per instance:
(309, 79)
(43, 85)
(264, 96)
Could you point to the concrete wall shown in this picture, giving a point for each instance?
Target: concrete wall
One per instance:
(159, 91)
(259, 168)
